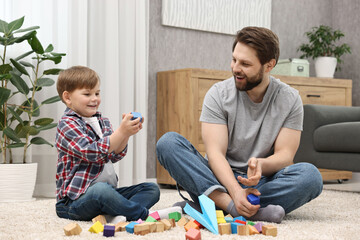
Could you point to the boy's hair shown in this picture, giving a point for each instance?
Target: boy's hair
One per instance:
(76, 77)
(262, 40)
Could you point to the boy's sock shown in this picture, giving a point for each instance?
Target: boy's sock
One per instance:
(115, 219)
(270, 213)
(164, 213)
(191, 203)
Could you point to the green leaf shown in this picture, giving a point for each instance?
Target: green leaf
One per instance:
(11, 134)
(26, 36)
(58, 54)
(39, 141)
(43, 121)
(23, 130)
(16, 145)
(4, 95)
(27, 29)
(49, 48)
(27, 64)
(53, 71)
(44, 82)
(19, 67)
(36, 45)
(15, 114)
(16, 24)
(46, 127)
(20, 84)
(4, 27)
(2, 120)
(25, 107)
(5, 68)
(51, 100)
(23, 55)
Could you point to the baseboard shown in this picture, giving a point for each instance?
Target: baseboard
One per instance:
(45, 190)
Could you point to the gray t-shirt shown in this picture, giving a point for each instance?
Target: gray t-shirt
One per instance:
(252, 127)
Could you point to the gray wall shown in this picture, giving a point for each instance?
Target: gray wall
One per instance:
(174, 48)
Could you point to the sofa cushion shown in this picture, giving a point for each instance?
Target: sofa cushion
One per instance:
(338, 137)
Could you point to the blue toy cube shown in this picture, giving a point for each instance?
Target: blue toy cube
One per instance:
(136, 115)
(253, 199)
(109, 230)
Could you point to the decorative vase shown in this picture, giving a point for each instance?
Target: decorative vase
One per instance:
(17, 182)
(325, 66)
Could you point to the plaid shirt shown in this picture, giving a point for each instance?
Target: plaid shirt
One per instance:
(81, 154)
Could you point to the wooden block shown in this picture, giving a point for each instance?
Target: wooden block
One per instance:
(172, 222)
(100, 218)
(96, 227)
(120, 226)
(269, 230)
(167, 224)
(175, 215)
(224, 228)
(142, 229)
(234, 226)
(190, 225)
(109, 230)
(193, 234)
(182, 222)
(72, 229)
(252, 230)
(219, 214)
(160, 227)
(152, 226)
(243, 230)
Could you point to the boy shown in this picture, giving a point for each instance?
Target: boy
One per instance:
(86, 183)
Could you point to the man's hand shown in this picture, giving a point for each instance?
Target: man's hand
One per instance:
(243, 206)
(254, 173)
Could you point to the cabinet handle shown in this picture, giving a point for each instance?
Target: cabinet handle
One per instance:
(313, 95)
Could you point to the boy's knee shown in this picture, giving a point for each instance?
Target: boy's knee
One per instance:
(154, 188)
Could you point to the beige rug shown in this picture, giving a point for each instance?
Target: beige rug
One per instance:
(333, 215)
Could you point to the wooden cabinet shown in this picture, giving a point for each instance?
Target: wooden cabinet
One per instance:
(180, 95)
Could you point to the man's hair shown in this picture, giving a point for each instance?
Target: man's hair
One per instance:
(76, 77)
(262, 40)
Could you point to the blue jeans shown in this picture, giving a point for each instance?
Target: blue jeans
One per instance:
(291, 187)
(101, 198)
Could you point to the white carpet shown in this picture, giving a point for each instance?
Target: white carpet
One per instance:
(333, 215)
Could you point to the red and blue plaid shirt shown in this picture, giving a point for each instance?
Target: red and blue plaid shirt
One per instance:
(81, 154)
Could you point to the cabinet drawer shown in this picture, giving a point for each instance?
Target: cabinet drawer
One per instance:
(204, 86)
(322, 95)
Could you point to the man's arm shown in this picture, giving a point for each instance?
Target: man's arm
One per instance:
(215, 137)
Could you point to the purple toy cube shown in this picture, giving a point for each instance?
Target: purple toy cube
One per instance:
(258, 226)
(109, 231)
(253, 199)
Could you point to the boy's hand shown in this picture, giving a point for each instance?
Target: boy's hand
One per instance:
(130, 127)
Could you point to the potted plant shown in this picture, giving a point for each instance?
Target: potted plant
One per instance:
(22, 78)
(322, 47)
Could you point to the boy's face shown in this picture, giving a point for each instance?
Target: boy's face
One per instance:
(83, 101)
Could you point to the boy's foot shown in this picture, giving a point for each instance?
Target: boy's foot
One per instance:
(164, 213)
(115, 219)
(191, 203)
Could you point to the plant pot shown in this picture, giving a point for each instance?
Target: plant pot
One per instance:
(17, 182)
(325, 66)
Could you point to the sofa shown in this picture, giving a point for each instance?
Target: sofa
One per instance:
(331, 137)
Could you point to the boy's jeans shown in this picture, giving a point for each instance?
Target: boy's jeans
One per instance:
(101, 198)
(291, 187)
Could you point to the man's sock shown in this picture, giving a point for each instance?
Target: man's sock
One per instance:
(164, 213)
(270, 213)
(191, 203)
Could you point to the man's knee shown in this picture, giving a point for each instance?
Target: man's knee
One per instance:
(311, 178)
(166, 145)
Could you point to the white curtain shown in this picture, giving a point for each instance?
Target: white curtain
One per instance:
(110, 37)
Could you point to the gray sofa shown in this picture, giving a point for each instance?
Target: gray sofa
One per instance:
(331, 137)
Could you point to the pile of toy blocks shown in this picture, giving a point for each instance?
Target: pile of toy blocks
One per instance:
(210, 218)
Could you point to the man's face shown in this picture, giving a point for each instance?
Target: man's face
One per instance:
(246, 68)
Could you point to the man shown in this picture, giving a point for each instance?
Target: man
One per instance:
(251, 127)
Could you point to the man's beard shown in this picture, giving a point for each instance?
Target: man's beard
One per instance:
(250, 82)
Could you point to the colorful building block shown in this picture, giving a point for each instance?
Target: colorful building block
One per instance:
(258, 226)
(136, 115)
(253, 199)
(109, 230)
(150, 219)
(241, 218)
(155, 215)
(234, 226)
(120, 226)
(220, 220)
(197, 223)
(224, 228)
(250, 223)
(229, 219)
(193, 234)
(130, 227)
(191, 224)
(72, 229)
(100, 218)
(252, 230)
(219, 214)
(175, 215)
(269, 230)
(140, 221)
(96, 227)
(208, 216)
(182, 222)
